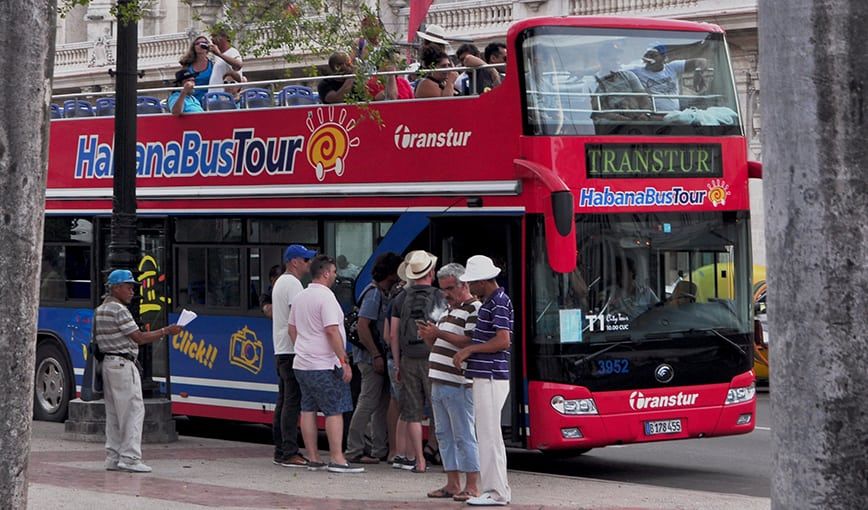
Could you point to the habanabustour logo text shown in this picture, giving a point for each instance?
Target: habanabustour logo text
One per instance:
(405, 139)
(677, 196)
(194, 155)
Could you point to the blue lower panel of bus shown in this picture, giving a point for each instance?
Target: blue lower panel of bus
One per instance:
(223, 366)
(72, 327)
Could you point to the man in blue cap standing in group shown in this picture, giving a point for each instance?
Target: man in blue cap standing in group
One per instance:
(296, 260)
(119, 337)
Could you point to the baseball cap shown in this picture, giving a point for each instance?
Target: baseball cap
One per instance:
(296, 251)
(184, 75)
(119, 276)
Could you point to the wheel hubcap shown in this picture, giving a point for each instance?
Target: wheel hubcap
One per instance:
(50, 384)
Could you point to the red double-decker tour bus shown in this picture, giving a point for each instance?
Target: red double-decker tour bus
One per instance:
(607, 175)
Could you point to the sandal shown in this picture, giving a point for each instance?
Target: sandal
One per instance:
(463, 496)
(417, 470)
(441, 493)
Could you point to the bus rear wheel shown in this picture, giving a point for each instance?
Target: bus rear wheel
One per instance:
(53, 383)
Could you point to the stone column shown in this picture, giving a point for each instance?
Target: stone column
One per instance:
(814, 69)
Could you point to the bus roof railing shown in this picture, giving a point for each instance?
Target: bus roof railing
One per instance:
(284, 81)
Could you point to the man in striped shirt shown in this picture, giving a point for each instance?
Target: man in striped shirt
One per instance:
(118, 337)
(488, 365)
(451, 394)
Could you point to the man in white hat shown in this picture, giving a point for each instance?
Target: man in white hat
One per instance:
(488, 360)
(420, 303)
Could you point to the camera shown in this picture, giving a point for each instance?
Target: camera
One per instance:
(245, 350)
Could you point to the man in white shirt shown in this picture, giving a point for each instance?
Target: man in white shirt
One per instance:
(316, 326)
(285, 427)
(228, 59)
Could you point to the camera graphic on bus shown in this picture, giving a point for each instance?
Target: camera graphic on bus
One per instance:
(245, 350)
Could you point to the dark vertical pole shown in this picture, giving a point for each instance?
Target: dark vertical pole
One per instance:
(123, 252)
(122, 247)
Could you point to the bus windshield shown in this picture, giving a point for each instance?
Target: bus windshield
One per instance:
(586, 81)
(646, 277)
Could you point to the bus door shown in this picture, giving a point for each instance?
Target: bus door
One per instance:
(152, 301)
(455, 239)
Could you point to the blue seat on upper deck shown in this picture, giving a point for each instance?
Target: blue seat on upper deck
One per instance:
(219, 101)
(256, 97)
(77, 108)
(105, 107)
(147, 105)
(293, 95)
(56, 112)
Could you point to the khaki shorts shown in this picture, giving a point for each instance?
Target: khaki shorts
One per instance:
(415, 388)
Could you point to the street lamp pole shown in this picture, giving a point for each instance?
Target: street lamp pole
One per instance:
(123, 251)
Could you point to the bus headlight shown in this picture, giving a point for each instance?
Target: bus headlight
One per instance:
(739, 395)
(574, 406)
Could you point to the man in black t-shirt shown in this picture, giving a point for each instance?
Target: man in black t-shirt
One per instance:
(337, 90)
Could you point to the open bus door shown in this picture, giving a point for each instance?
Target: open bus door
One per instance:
(455, 239)
(152, 302)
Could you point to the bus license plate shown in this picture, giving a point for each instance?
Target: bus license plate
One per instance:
(652, 428)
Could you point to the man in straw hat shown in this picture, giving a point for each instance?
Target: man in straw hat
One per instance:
(488, 365)
(419, 303)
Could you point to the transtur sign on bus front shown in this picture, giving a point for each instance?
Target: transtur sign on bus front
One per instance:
(653, 160)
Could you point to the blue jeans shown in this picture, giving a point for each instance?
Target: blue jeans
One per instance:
(453, 417)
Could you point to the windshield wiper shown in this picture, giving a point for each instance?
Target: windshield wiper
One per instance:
(601, 351)
(720, 335)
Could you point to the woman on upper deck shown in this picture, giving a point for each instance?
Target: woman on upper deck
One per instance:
(436, 83)
(196, 61)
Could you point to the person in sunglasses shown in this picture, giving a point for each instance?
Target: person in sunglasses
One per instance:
(227, 59)
(296, 260)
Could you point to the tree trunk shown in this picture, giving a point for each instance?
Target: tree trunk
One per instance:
(815, 120)
(27, 50)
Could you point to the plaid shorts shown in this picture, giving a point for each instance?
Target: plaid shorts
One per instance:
(325, 391)
(415, 388)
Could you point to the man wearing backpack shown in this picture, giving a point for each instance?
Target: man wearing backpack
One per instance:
(420, 303)
(373, 399)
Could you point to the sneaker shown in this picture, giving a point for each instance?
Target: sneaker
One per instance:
(296, 460)
(137, 467)
(408, 464)
(334, 467)
(111, 465)
(398, 461)
(486, 500)
(314, 465)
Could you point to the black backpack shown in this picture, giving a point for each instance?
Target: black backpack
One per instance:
(351, 324)
(419, 304)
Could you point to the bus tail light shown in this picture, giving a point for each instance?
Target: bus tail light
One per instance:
(571, 407)
(739, 395)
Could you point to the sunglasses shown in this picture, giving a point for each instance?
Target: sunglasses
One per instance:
(229, 82)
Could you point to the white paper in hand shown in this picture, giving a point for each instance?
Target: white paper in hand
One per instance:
(186, 317)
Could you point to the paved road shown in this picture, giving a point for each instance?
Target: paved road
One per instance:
(734, 465)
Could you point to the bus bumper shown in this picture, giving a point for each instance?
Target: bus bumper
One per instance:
(640, 416)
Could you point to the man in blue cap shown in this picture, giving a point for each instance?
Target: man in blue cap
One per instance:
(296, 259)
(118, 337)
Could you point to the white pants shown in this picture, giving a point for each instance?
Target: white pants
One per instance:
(489, 395)
(124, 409)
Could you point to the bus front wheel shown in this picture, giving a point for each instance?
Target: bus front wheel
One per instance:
(53, 383)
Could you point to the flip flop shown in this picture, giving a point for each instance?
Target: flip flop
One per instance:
(441, 493)
(463, 496)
